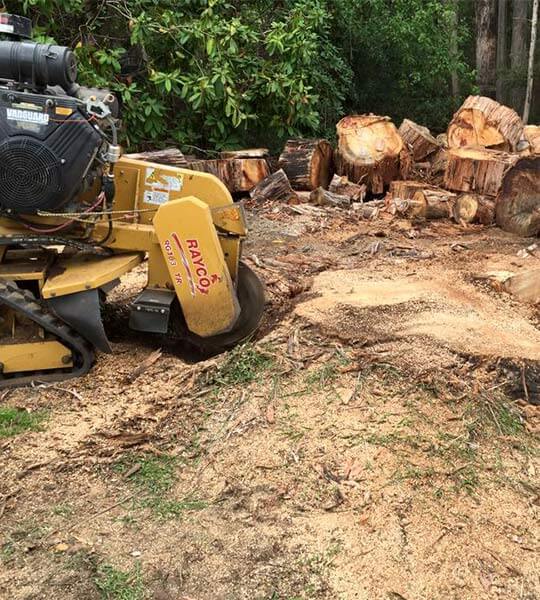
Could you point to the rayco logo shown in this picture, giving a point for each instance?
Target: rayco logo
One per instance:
(199, 277)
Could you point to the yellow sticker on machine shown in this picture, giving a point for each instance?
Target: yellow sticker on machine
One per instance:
(197, 266)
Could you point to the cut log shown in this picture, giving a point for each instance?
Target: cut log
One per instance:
(415, 199)
(303, 196)
(474, 208)
(526, 286)
(434, 204)
(168, 156)
(308, 164)
(369, 210)
(484, 122)
(238, 174)
(477, 170)
(322, 197)
(248, 153)
(368, 151)
(531, 133)
(274, 187)
(405, 190)
(342, 185)
(418, 139)
(518, 202)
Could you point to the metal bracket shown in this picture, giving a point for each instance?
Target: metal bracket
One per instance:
(151, 310)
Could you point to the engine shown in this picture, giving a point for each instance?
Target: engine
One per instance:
(53, 140)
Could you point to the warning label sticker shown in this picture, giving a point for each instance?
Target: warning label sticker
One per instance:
(156, 196)
(160, 180)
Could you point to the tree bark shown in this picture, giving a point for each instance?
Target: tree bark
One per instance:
(486, 46)
(368, 151)
(168, 156)
(418, 139)
(342, 186)
(238, 174)
(518, 52)
(502, 58)
(274, 187)
(434, 204)
(322, 197)
(307, 163)
(518, 201)
(530, 70)
(481, 121)
(477, 170)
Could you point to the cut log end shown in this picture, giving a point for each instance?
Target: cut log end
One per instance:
(274, 187)
(518, 202)
(307, 163)
(368, 152)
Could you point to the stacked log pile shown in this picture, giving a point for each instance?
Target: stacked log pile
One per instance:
(485, 169)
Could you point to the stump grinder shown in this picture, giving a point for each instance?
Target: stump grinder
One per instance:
(75, 216)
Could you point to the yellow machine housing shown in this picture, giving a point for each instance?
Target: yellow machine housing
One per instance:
(183, 223)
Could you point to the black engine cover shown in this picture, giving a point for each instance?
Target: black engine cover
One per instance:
(47, 146)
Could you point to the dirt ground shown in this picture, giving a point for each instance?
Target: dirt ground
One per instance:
(378, 440)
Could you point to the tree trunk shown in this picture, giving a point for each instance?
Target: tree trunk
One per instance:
(530, 70)
(477, 170)
(307, 163)
(342, 186)
(169, 156)
(274, 187)
(484, 122)
(238, 174)
(418, 139)
(486, 46)
(502, 59)
(474, 208)
(368, 151)
(518, 202)
(322, 197)
(454, 45)
(518, 52)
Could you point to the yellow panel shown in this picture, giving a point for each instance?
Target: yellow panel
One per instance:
(197, 266)
(87, 273)
(34, 356)
(230, 218)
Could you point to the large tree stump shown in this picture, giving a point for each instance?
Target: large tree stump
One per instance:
(308, 164)
(518, 201)
(477, 170)
(484, 122)
(274, 187)
(342, 185)
(238, 174)
(418, 139)
(368, 151)
(474, 208)
(168, 156)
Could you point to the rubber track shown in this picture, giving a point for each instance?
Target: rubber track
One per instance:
(24, 302)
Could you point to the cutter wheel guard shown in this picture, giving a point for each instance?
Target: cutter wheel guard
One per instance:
(76, 215)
